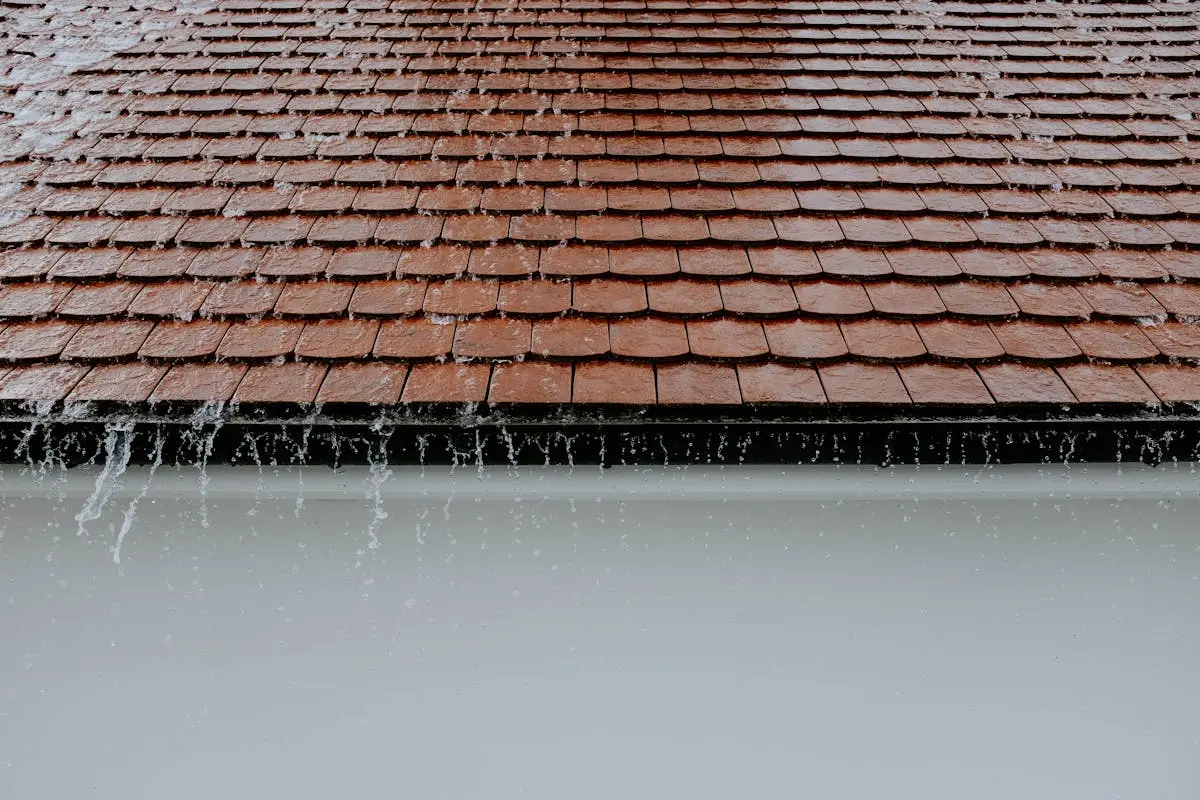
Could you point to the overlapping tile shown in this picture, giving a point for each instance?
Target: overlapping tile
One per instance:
(603, 201)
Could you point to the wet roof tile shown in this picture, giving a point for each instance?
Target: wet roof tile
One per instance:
(683, 203)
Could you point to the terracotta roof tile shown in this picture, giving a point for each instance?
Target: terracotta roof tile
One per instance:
(1018, 383)
(1097, 383)
(199, 383)
(779, 383)
(974, 206)
(944, 384)
(40, 381)
(130, 382)
(531, 382)
(614, 383)
(280, 383)
(863, 383)
(698, 384)
(373, 383)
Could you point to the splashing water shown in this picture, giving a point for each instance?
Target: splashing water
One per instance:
(117, 449)
(130, 515)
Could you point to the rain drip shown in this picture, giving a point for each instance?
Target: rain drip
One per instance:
(117, 452)
(130, 515)
(207, 422)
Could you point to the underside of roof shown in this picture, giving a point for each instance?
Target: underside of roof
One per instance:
(627, 213)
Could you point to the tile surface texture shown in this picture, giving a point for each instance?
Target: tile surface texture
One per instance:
(623, 202)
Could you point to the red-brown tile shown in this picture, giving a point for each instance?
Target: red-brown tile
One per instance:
(318, 299)
(783, 261)
(534, 297)
(461, 297)
(492, 338)
(1117, 341)
(199, 383)
(263, 340)
(714, 261)
(473, 228)
(698, 384)
(1049, 300)
(875, 230)
(414, 338)
(280, 383)
(614, 383)
(89, 263)
(991, 263)
(1009, 232)
(805, 339)
(904, 298)
(107, 341)
(882, 339)
(959, 340)
(863, 383)
(573, 261)
(977, 299)
(920, 262)
(1098, 383)
(1059, 264)
(674, 228)
(372, 383)
(432, 261)
(27, 264)
(387, 298)
(363, 262)
(854, 262)
(447, 383)
(1036, 341)
(758, 297)
(1128, 265)
(1019, 383)
(609, 297)
(408, 229)
(31, 300)
(942, 384)
(1175, 339)
(35, 341)
(240, 298)
(182, 341)
(1171, 382)
(684, 297)
(1121, 300)
(294, 262)
(570, 338)
(1183, 265)
(1181, 299)
(727, 338)
(118, 383)
(648, 338)
(530, 382)
(608, 228)
(40, 382)
(644, 261)
(832, 298)
(640, 198)
(779, 383)
(542, 228)
(225, 262)
(504, 261)
(337, 339)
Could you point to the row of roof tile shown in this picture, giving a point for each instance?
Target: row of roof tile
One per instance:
(604, 382)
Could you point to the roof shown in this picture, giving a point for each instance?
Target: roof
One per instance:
(632, 202)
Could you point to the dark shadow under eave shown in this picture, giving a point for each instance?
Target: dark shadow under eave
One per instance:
(476, 434)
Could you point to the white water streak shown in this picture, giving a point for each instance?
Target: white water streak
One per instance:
(131, 510)
(116, 460)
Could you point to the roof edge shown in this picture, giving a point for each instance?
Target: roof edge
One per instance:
(206, 433)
